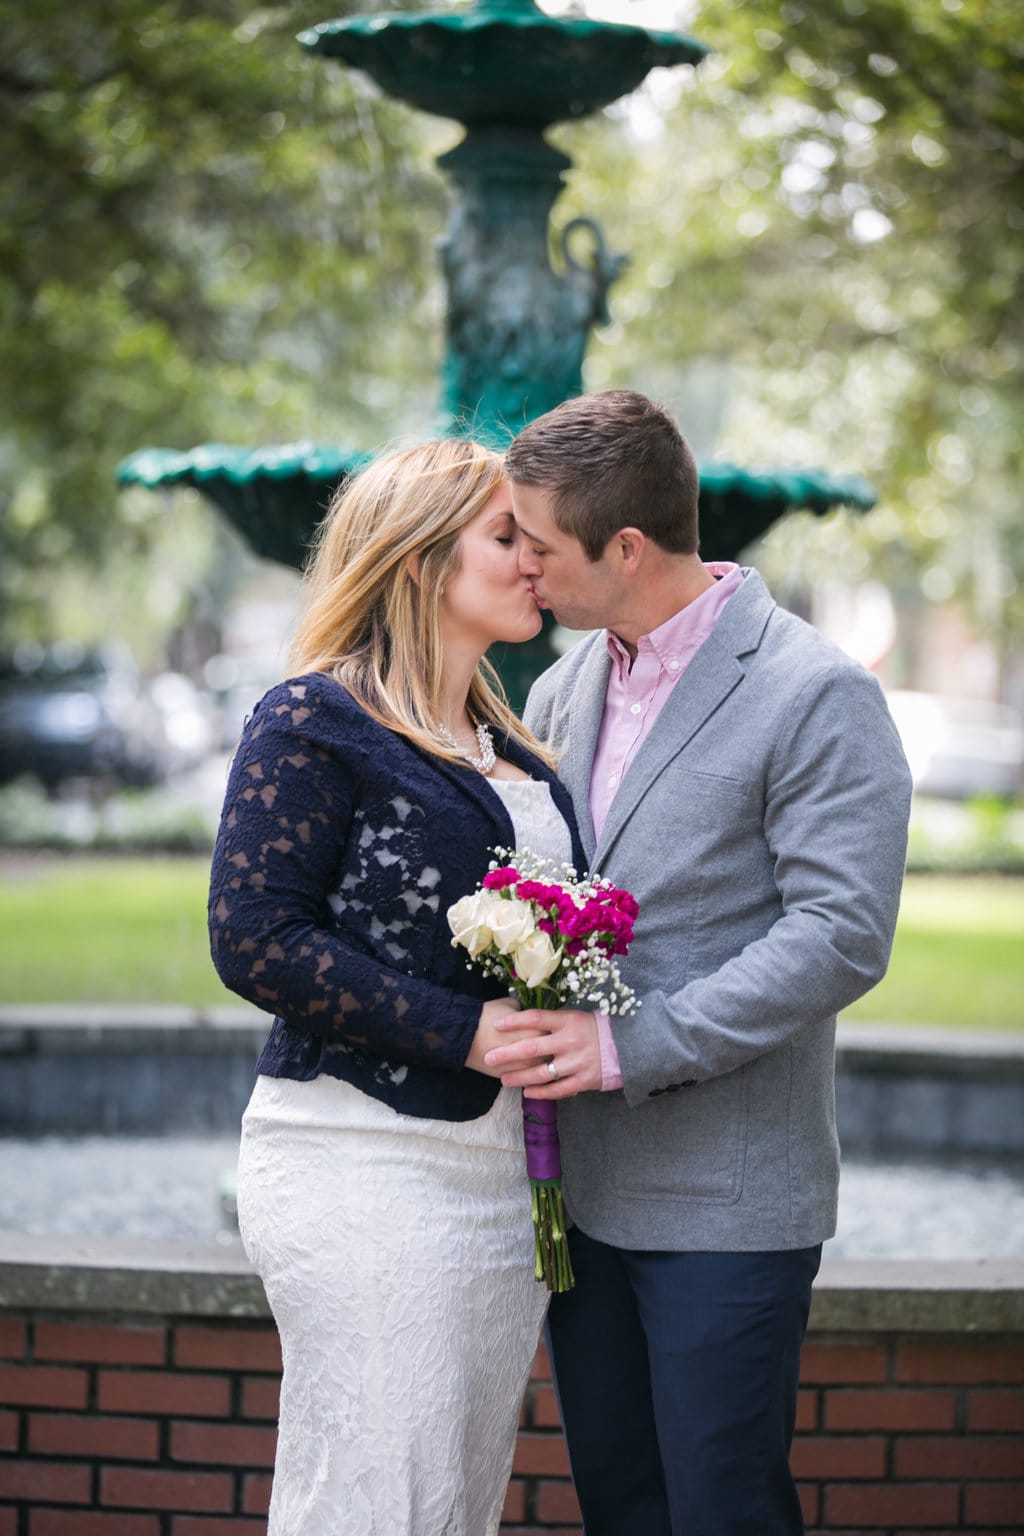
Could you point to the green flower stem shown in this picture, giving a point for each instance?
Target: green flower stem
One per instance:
(552, 1263)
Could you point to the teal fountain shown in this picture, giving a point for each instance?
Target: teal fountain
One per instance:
(516, 329)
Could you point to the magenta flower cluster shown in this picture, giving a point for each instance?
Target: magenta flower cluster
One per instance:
(605, 918)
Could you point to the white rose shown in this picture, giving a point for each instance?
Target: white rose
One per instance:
(470, 920)
(535, 959)
(512, 924)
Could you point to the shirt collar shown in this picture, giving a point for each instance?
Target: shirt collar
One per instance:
(674, 642)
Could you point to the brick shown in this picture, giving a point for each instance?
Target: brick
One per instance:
(834, 1456)
(231, 1349)
(43, 1386)
(84, 1522)
(261, 1397)
(544, 1455)
(210, 1525)
(808, 1404)
(256, 1494)
(43, 1482)
(164, 1392)
(13, 1339)
(1000, 1504)
(974, 1457)
(866, 1409)
(810, 1501)
(8, 1431)
(100, 1343)
(69, 1434)
(995, 1410)
(541, 1368)
(142, 1488)
(917, 1505)
(544, 1408)
(974, 1363)
(514, 1509)
(234, 1445)
(836, 1364)
(556, 1502)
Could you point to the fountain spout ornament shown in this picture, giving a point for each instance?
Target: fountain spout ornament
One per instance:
(517, 330)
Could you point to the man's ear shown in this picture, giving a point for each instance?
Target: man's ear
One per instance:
(630, 544)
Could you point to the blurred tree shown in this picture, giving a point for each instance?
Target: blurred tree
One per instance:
(207, 235)
(204, 234)
(828, 221)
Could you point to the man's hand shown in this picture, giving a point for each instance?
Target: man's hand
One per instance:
(568, 1038)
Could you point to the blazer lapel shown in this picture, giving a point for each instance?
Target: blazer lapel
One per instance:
(711, 676)
(586, 708)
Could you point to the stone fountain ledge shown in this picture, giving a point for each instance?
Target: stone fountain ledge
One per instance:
(121, 1276)
(144, 1069)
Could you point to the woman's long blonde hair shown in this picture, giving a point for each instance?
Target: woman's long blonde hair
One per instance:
(369, 621)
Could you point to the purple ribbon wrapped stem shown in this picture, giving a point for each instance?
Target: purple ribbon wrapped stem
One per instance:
(544, 1168)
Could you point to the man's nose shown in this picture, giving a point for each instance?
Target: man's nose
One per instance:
(529, 565)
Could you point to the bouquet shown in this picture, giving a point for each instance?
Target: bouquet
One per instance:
(553, 937)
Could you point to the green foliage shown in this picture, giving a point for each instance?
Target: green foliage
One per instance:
(204, 235)
(987, 838)
(131, 821)
(828, 226)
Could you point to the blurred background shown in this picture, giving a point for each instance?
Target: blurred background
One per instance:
(210, 236)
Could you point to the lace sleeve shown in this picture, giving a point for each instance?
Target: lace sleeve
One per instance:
(287, 815)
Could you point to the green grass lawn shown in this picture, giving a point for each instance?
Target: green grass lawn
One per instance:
(134, 930)
(958, 957)
(110, 930)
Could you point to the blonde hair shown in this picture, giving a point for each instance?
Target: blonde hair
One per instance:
(369, 621)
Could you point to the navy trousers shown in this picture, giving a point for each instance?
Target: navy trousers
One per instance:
(677, 1376)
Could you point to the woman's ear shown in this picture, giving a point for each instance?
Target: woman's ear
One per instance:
(412, 565)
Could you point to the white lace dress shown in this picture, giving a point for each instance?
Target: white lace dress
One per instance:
(397, 1258)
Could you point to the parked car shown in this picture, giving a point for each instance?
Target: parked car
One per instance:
(69, 713)
(957, 747)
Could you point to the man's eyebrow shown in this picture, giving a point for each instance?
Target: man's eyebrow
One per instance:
(528, 535)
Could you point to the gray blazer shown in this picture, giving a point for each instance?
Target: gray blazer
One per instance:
(762, 828)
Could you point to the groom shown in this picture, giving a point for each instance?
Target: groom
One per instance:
(742, 778)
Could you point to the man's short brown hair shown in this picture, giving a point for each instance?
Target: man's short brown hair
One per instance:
(611, 460)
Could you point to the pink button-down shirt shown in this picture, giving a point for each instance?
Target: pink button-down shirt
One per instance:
(636, 696)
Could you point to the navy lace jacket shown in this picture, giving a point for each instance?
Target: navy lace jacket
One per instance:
(341, 848)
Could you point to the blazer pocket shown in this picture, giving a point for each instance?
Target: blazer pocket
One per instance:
(688, 1146)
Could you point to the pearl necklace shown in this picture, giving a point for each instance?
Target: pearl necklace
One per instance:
(487, 757)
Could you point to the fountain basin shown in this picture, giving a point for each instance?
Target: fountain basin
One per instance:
(276, 496)
(501, 61)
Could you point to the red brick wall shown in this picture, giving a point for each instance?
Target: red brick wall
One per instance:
(152, 1428)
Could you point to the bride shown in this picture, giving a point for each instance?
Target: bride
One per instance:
(382, 1191)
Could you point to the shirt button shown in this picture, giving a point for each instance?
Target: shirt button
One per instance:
(634, 709)
(674, 664)
(613, 779)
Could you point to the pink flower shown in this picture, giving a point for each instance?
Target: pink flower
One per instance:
(498, 879)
